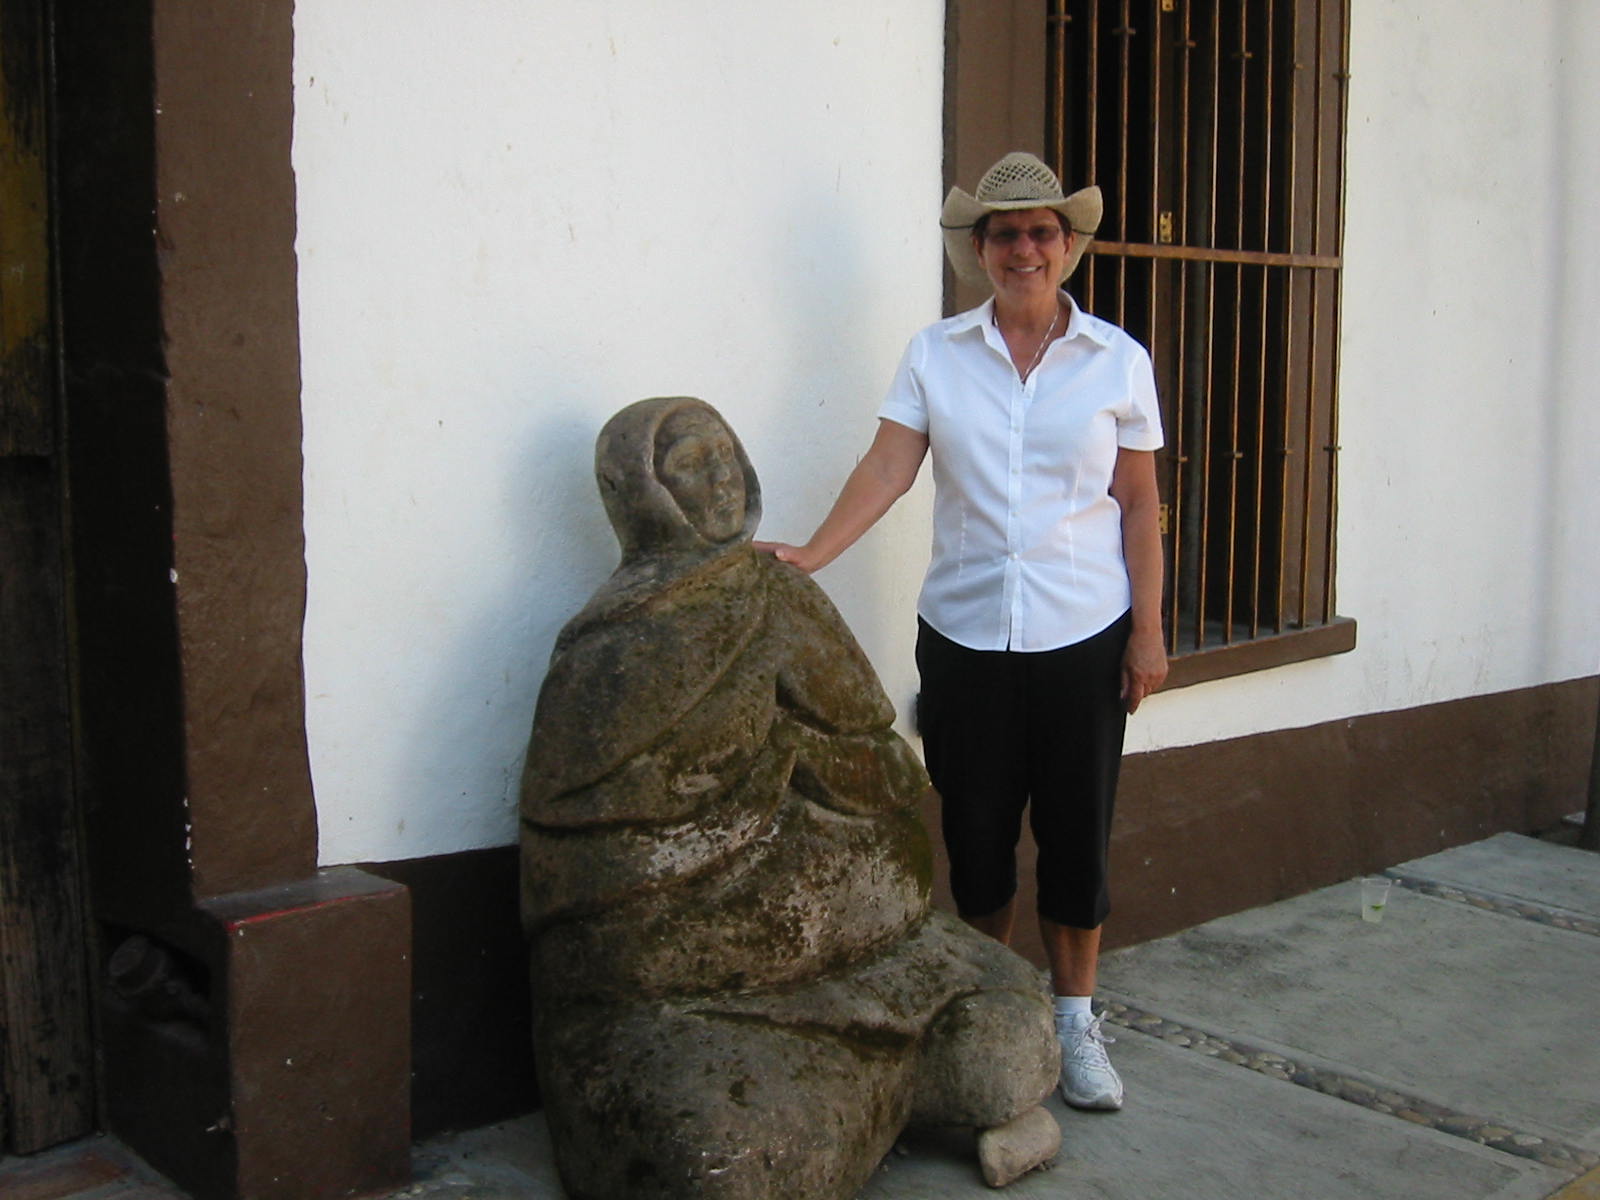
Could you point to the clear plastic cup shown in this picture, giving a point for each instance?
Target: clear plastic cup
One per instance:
(1374, 897)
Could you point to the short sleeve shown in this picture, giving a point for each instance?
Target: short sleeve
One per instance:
(1139, 427)
(907, 402)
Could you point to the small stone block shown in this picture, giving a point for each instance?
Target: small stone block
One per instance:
(1010, 1151)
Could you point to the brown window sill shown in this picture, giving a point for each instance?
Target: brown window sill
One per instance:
(1258, 654)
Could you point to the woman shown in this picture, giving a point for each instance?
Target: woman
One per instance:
(1039, 622)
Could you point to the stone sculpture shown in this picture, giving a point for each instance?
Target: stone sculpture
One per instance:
(740, 990)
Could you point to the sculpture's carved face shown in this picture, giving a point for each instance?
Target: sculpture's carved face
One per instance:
(696, 462)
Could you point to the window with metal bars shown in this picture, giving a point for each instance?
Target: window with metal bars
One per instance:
(1216, 129)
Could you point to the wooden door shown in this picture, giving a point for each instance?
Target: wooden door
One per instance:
(46, 1083)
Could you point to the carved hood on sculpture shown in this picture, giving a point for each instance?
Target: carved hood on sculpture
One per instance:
(725, 885)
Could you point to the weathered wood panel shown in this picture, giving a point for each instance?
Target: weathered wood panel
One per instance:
(45, 1047)
(43, 1000)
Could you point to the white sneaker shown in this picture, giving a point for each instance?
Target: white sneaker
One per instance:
(1088, 1080)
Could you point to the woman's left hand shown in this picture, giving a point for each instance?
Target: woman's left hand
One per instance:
(1144, 667)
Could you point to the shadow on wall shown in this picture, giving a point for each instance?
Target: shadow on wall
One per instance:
(467, 751)
(1566, 451)
(464, 759)
(834, 375)
(472, 1037)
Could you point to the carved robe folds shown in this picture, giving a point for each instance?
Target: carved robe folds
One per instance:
(739, 988)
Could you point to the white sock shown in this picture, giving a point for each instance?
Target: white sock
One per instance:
(1073, 1006)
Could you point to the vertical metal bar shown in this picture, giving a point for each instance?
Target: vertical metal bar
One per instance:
(1293, 117)
(1092, 133)
(1318, 108)
(1309, 451)
(1210, 313)
(1057, 118)
(1152, 316)
(1268, 51)
(1263, 276)
(1191, 484)
(1124, 112)
(1332, 516)
(1186, 43)
(1156, 132)
(1181, 576)
(1311, 351)
(1244, 109)
(1235, 454)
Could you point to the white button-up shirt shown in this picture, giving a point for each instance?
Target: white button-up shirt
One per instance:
(1027, 540)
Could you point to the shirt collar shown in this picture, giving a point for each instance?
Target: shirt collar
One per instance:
(1079, 323)
(973, 318)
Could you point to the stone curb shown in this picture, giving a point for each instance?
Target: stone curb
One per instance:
(1489, 902)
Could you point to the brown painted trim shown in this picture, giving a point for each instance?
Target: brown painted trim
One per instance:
(280, 1065)
(1202, 831)
(261, 1049)
(181, 393)
(471, 1020)
(993, 97)
(225, 215)
(1260, 654)
(1589, 833)
(1207, 830)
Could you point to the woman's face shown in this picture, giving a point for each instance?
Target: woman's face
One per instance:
(1024, 253)
(696, 462)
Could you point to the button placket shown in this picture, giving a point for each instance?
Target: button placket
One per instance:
(1020, 395)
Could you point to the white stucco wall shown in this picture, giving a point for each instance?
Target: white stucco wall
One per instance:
(515, 219)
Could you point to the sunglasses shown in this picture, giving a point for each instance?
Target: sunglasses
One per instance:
(1039, 235)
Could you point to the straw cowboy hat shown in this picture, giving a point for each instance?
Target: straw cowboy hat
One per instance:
(1017, 181)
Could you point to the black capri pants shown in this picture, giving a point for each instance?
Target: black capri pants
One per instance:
(1003, 731)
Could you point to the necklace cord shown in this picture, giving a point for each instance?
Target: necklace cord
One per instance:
(1038, 355)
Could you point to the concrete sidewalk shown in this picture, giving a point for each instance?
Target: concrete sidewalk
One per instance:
(1450, 1051)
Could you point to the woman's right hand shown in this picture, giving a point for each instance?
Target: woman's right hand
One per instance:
(796, 556)
(888, 468)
